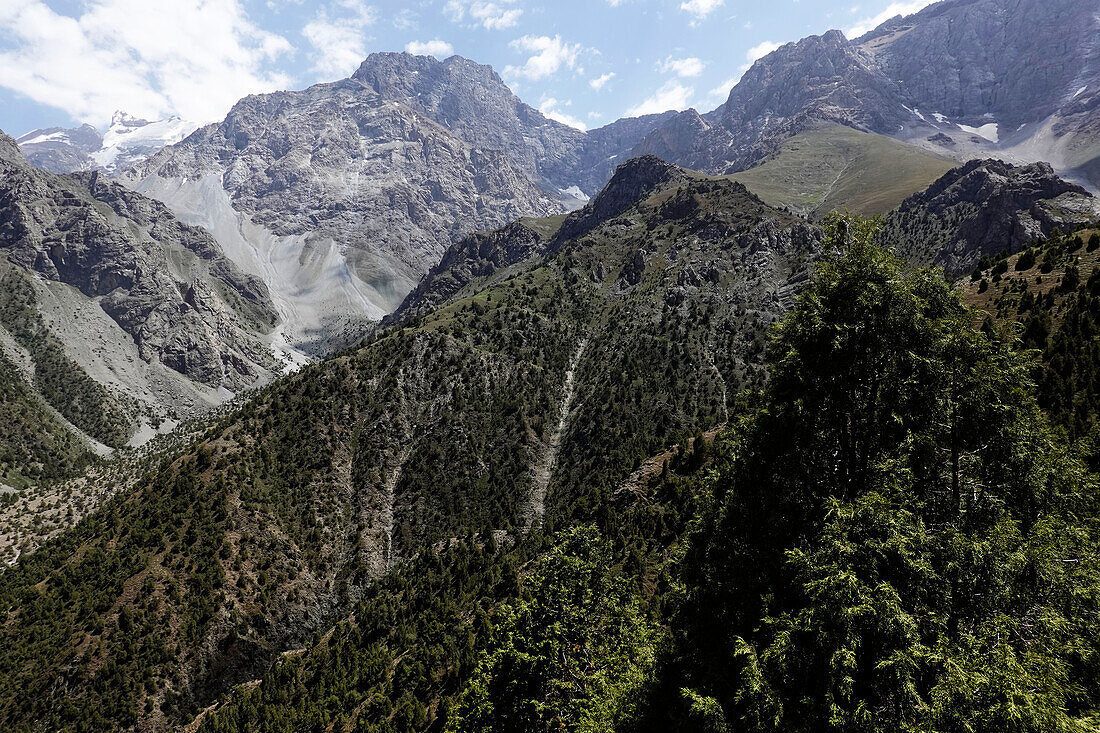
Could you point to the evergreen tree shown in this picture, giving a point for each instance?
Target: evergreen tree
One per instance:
(899, 544)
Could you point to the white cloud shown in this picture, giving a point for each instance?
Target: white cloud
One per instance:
(759, 51)
(902, 8)
(723, 90)
(439, 49)
(552, 108)
(756, 52)
(194, 58)
(405, 20)
(682, 67)
(337, 36)
(672, 95)
(600, 81)
(700, 9)
(489, 15)
(549, 55)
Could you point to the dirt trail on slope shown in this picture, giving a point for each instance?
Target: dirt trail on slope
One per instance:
(544, 469)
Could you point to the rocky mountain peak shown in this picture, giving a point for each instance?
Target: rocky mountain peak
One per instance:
(992, 182)
(474, 103)
(823, 75)
(632, 181)
(125, 119)
(986, 207)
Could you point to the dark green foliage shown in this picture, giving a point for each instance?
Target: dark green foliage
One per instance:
(1061, 323)
(33, 444)
(899, 543)
(1069, 373)
(1026, 261)
(66, 596)
(569, 656)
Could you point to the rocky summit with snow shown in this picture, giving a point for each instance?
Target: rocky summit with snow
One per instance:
(127, 141)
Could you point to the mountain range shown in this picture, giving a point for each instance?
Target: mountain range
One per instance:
(328, 206)
(120, 314)
(391, 404)
(341, 196)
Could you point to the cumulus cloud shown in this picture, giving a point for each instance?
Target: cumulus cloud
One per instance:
(756, 52)
(759, 51)
(439, 49)
(548, 55)
(337, 36)
(893, 9)
(194, 58)
(672, 95)
(552, 108)
(600, 81)
(489, 15)
(723, 90)
(682, 67)
(700, 9)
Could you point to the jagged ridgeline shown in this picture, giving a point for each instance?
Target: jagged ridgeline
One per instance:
(538, 381)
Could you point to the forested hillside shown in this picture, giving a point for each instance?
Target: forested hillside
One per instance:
(524, 404)
(576, 488)
(889, 537)
(899, 542)
(1051, 292)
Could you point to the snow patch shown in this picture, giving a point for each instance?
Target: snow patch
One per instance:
(989, 132)
(573, 192)
(128, 139)
(60, 136)
(916, 113)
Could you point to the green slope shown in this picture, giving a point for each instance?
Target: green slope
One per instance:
(836, 167)
(34, 445)
(1050, 293)
(526, 403)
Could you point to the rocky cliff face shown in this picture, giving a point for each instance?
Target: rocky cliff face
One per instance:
(982, 61)
(986, 207)
(337, 196)
(96, 245)
(473, 103)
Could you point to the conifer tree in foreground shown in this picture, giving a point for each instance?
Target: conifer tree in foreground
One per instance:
(898, 542)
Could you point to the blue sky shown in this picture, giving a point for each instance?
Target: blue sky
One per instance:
(584, 62)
